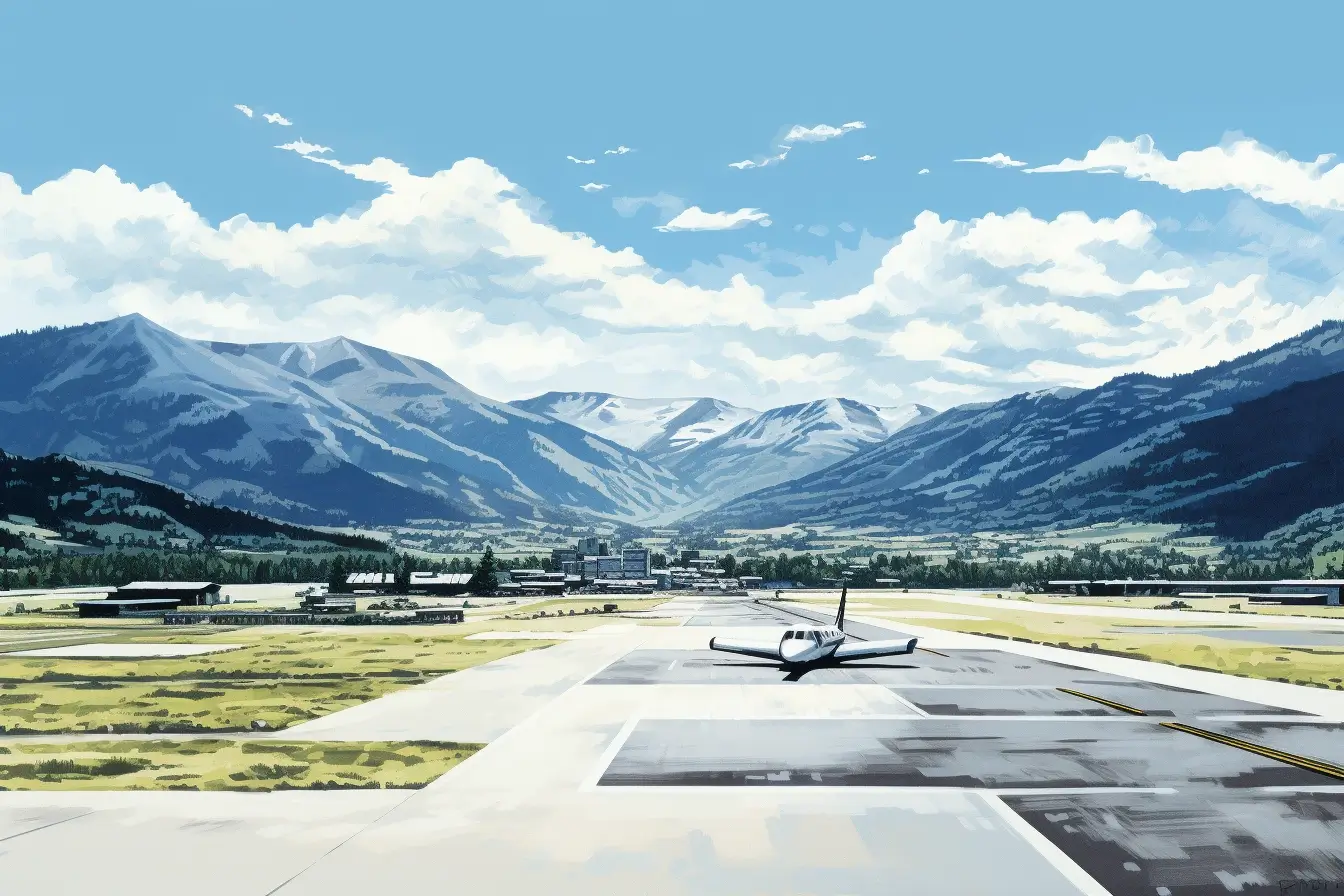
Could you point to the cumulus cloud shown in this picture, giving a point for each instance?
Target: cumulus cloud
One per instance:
(1236, 164)
(276, 118)
(922, 340)
(923, 171)
(593, 188)
(828, 367)
(618, 151)
(578, 161)
(998, 160)
(800, 134)
(246, 110)
(458, 267)
(695, 219)
(304, 148)
(867, 158)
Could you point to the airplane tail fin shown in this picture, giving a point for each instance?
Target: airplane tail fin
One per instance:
(840, 616)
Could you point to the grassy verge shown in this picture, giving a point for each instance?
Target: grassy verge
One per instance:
(1314, 666)
(272, 680)
(225, 765)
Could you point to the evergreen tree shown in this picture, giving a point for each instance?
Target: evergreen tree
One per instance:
(336, 581)
(484, 580)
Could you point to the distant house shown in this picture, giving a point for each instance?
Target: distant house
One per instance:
(370, 582)
(187, 594)
(151, 597)
(447, 583)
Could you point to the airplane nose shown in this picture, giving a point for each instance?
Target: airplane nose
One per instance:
(790, 650)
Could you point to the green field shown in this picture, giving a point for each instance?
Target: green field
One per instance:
(224, 765)
(276, 679)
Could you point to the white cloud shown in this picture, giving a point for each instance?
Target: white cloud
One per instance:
(304, 148)
(276, 118)
(1237, 164)
(761, 162)
(798, 368)
(246, 110)
(695, 219)
(618, 151)
(921, 340)
(998, 160)
(867, 158)
(578, 161)
(923, 171)
(800, 134)
(460, 268)
(593, 188)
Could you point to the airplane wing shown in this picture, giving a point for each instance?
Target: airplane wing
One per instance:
(857, 650)
(764, 649)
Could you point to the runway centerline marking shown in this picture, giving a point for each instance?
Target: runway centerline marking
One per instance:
(1321, 767)
(1123, 707)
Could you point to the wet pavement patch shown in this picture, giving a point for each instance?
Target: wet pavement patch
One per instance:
(1127, 752)
(1196, 842)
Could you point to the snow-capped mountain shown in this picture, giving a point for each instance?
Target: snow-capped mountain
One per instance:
(1246, 445)
(788, 442)
(658, 428)
(321, 433)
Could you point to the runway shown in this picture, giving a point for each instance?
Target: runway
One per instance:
(637, 761)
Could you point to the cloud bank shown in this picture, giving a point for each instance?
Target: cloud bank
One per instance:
(1237, 164)
(458, 267)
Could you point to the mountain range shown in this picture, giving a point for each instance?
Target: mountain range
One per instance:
(1243, 447)
(720, 451)
(323, 433)
(337, 432)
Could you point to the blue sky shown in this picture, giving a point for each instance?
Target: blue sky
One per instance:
(518, 307)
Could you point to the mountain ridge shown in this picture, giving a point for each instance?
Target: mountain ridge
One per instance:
(1035, 459)
(286, 428)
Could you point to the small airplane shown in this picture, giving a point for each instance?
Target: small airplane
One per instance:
(803, 647)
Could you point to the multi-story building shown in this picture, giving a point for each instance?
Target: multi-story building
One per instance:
(635, 563)
(561, 556)
(592, 546)
(688, 556)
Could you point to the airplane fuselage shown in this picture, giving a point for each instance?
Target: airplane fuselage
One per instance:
(805, 644)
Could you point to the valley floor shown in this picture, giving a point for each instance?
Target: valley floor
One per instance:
(626, 758)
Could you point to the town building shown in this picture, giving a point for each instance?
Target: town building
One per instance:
(444, 584)
(148, 598)
(1287, 591)
(635, 563)
(592, 546)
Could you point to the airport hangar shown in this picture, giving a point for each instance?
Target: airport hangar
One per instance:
(1294, 591)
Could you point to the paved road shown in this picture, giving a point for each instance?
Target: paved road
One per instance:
(640, 762)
